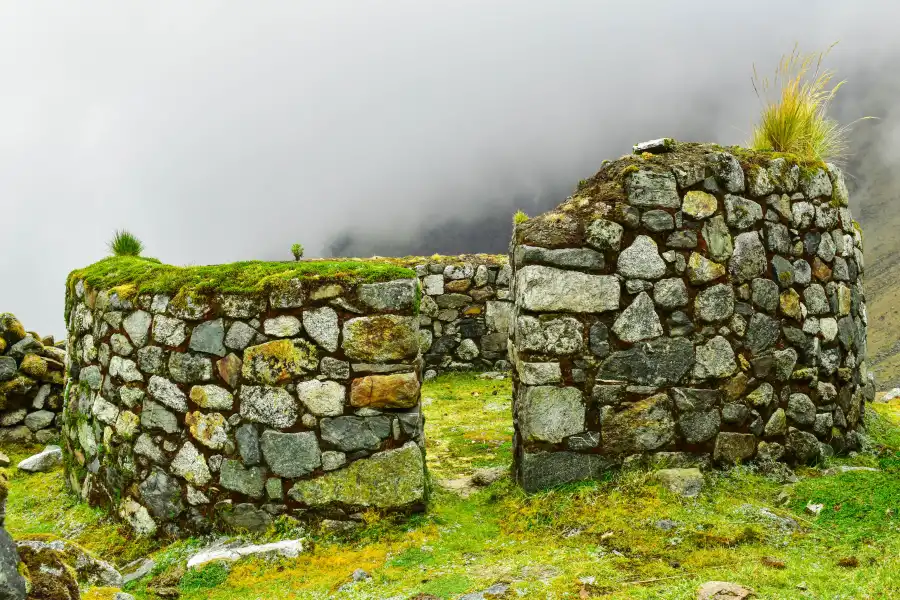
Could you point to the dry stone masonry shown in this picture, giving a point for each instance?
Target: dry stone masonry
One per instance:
(32, 370)
(689, 303)
(464, 315)
(191, 411)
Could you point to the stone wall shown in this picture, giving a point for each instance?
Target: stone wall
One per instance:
(31, 384)
(689, 303)
(190, 411)
(464, 317)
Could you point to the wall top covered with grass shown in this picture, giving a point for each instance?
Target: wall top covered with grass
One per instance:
(227, 396)
(689, 300)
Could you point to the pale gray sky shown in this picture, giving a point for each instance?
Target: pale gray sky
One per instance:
(221, 131)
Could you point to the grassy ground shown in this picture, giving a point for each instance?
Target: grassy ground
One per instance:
(592, 540)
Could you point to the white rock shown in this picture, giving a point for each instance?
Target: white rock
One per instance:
(286, 549)
(42, 462)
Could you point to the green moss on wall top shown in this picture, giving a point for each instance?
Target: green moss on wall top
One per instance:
(134, 275)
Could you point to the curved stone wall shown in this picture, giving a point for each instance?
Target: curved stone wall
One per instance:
(464, 316)
(187, 411)
(689, 302)
(31, 384)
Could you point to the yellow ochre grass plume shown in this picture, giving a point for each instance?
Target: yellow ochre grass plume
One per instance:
(796, 120)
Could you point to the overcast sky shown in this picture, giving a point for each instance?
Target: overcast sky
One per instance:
(222, 131)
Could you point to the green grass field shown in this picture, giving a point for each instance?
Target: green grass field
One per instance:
(622, 538)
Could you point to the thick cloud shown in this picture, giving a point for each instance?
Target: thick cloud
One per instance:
(219, 132)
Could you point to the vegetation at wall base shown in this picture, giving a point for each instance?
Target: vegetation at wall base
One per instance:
(124, 243)
(626, 537)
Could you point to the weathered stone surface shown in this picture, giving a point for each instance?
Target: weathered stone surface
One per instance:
(190, 465)
(638, 321)
(210, 429)
(583, 259)
(389, 479)
(803, 446)
(663, 361)
(229, 369)
(683, 482)
(272, 406)
(381, 338)
(541, 470)
(120, 345)
(749, 258)
(742, 213)
(682, 239)
(247, 437)
(641, 260)
(189, 368)
(239, 336)
(162, 495)
(699, 205)
(762, 333)
(212, 397)
(649, 189)
(46, 460)
(714, 359)
(699, 426)
(42, 418)
(282, 326)
(322, 398)
(657, 220)
(549, 413)
(389, 295)
(12, 584)
(702, 270)
(168, 331)
(546, 289)
(289, 294)
(800, 409)
(816, 184)
(137, 326)
(816, 301)
(559, 336)
(715, 303)
(642, 426)
(350, 434)
(670, 293)
(164, 391)
(764, 294)
(278, 361)
(604, 235)
(291, 454)
(733, 448)
(727, 171)
(399, 390)
(209, 337)
(248, 481)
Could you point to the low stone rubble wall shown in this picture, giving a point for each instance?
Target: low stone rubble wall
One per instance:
(464, 317)
(190, 411)
(689, 303)
(32, 371)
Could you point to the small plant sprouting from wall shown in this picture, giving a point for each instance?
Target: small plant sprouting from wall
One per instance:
(297, 251)
(796, 120)
(519, 217)
(124, 243)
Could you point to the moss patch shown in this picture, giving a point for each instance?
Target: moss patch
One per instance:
(134, 275)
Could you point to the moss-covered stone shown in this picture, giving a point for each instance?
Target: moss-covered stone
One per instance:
(381, 338)
(279, 361)
(131, 276)
(391, 479)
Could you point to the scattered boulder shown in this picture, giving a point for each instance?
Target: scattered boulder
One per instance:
(44, 461)
(723, 590)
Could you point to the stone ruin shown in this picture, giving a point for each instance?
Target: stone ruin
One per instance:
(689, 303)
(193, 411)
(464, 315)
(32, 371)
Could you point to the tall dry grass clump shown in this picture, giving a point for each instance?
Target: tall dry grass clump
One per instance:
(796, 119)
